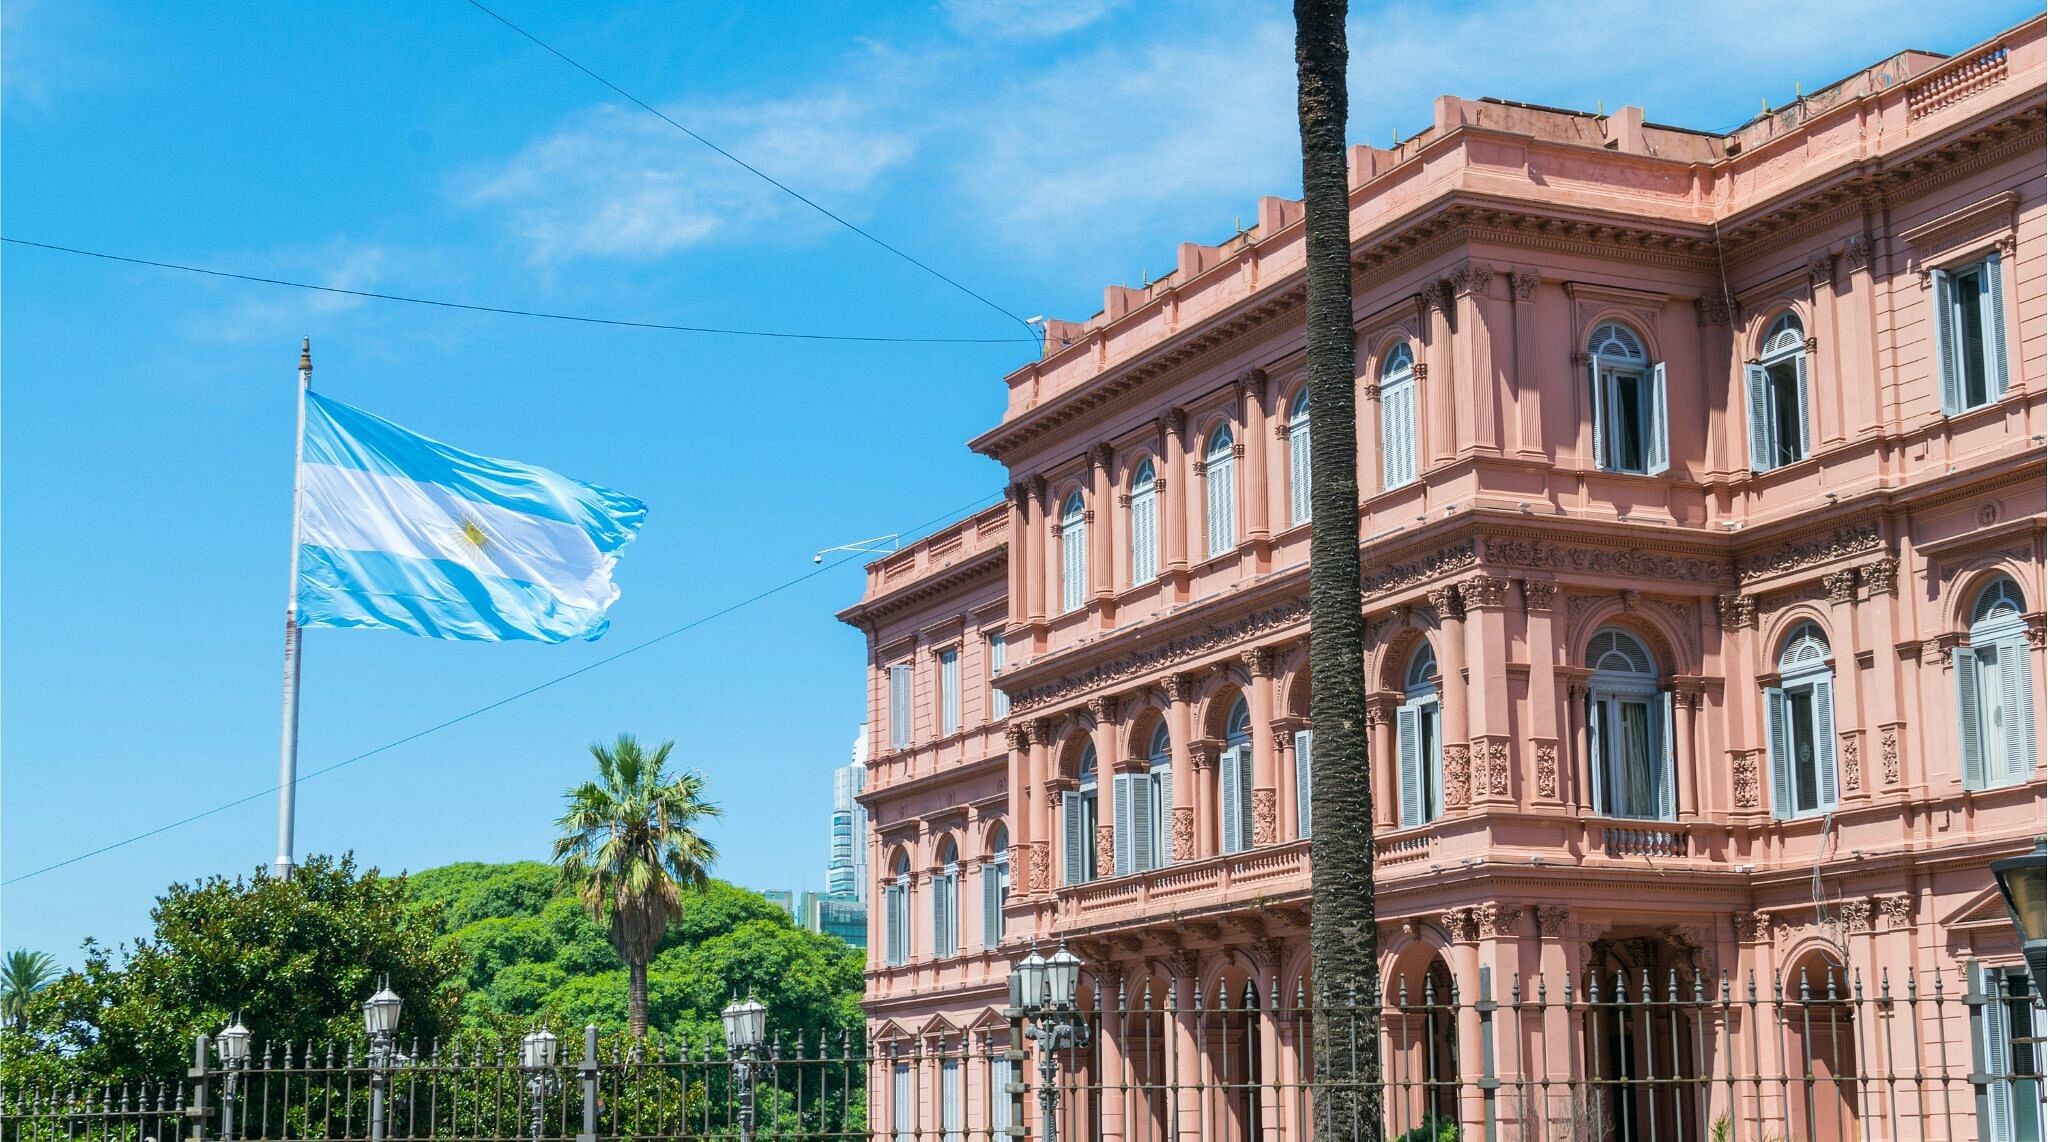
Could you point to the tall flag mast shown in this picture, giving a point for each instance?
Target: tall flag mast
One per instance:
(288, 743)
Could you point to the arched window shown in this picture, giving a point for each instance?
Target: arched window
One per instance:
(1418, 730)
(1073, 554)
(1234, 777)
(1628, 730)
(1995, 688)
(1160, 757)
(1630, 431)
(1079, 816)
(1219, 468)
(1779, 424)
(896, 912)
(1801, 712)
(1298, 456)
(946, 901)
(995, 887)
(1397, 416)
(1144, 523)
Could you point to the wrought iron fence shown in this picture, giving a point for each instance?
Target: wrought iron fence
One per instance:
(1943, 1056)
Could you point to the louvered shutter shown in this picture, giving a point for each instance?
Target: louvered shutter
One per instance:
(1408, 728)
(1970, 702)
(1298, 468)
(1667, 763)
(1659, 423)
(2016, 700)
(904, 1110)
(1763, 452)
(1805, 437)
(998, 651)
(952, 1100)
(1144, 536)
(1304, 742)
(999, 1106)
(1781, 753)
(991, 905)
(1994, 320)
(1137, 792)
(899, 706)
(892, 923)
(1222, 505)
(1233, 832)
(1947, 366)
(1824, 741)
(1162, 816)
(1599, 399)
(949, 692)
(1073, 564)
(1994, 1041)
(1076, 845)
(1596, 762)
(1120, 816)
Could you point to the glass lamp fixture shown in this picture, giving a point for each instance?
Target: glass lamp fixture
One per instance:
(537, 1050)
(1031, 977)
(746, 1024)
(380, 1011)
(1062, 977)
(2023, 881)
(233, 1043)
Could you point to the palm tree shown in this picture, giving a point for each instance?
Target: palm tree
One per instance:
(22, 975)
(629, 847)
(1343, 933)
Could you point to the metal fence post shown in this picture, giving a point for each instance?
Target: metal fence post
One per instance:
(196, 1110)
(587, 1073)
(1489, 1081)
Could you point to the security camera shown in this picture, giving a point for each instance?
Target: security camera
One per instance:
(819, 558)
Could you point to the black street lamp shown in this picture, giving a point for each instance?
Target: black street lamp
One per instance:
(233, 1047)
(380, 1019)
(537, 1058)
(1043, 992)
(2023, 881)
(746, 1027)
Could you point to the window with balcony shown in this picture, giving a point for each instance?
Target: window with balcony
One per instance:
(1144, 523)
(1969, 334)
(946, 901)
(1298, 457)
(1801, 711)
(1073, 554)
(1995, 690)
(1397, 416)
(995, 888)
(1628, 730)
(1160, 757)
(1779, 423)
(1234, 775)
(1628, 399)
(896, 913)
(998, 652)
(1078, 816)
(949, 691)
(1219, 471)
(1418, 728)
(899, 705)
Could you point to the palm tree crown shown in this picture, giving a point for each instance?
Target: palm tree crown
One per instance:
(22, 975)
(629, 846)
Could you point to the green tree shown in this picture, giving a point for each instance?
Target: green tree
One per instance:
(629, 847)
(295, 956)
(1343, 936)
(23, 975)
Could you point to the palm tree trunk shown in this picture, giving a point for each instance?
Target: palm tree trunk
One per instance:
(636, 998)
(1343, 936)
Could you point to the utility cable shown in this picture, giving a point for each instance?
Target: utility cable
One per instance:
(747, 166)
(510, 312)
(505, 701)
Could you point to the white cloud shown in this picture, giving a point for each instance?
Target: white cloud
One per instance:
(1025, 19)
(617, 182)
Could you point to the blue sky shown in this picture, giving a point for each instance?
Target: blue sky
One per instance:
(1035, 151)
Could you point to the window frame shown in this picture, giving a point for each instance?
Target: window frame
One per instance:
(1300, 459)
(945, 904)
(1419, 783)
(1073, 536)
(1995, 690)
(1814, 678)
(1607, 368)
(948, 661)
(1399, 418)
(1234, 780)
(1219, 482)
(1144, 522)
(1949, 333)
(1607, 690)
(1159, 771)
(902, 703)
(998, 645)
(995, 893)
(1783, 346)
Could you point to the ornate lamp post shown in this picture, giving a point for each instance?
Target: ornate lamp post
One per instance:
(537, 1059)
(380, 1019)
(746, 1027)
(233, 1047)
(1043, 990)
(2023, 880)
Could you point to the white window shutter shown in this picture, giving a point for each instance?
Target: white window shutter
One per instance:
(904, 1111)
(1946, 365)
(899, 706)
(1076, 844)
(1994, 1040)
(1298, 469)
(892, 923)
(998, 651)
(1970, 706)
(1304, 747)
(1222, 505)
(949, 692)
(1994, 320)
(1233, 833)
(1824, 740)
(999, 1106)
(945, 904)
(1780, 735)
(952, 1109)
(1762, 441)
(1120, 816)
(1144, 537)
(1805, 406)
(991, 905)
(1596, 764)
(1073, 564)
(1138, 821)
(1667, 763)
(1599, 413)
(1390, 418)
(1408, 728)
(1658, 414)
(1162, 810)
(2016, 701)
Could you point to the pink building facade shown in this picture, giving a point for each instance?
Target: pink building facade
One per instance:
(1702, 533)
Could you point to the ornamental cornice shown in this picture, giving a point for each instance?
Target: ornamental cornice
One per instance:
(976, 566)
(1809, 549)
(1169, 653)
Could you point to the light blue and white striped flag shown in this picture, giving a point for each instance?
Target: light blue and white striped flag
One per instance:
(406, 533)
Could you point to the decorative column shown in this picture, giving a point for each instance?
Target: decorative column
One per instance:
(1108, 762)
(1440, 426)
(1183, 1059)
(1485, 598)
(1285, 764)
(1687, 696)
(1036, 560)
(1848, 641)
(1500, 948)
(1577, 744)
(1556, 968)
(1100, 523)
(1386, 780)
(1179, 689)
(1265, 776)
(1021, 533)
(1251, 403)
(1537, 597)
(1204, 752)
(1174, 519)
(1527, 438)
(1265, 955)
(1038, 869)
(1478, 426)
(1880, 582)
(1457, 750)
(1018, 738)
(1114, 1079)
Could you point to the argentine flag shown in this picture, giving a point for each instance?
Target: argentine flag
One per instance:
(406, 533)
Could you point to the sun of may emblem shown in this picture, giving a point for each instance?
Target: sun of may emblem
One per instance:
(472, 532)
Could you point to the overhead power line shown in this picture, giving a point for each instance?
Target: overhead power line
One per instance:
(747, 166)
(501, 702)
(508, 311)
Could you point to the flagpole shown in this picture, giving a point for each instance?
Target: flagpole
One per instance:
(288, 744)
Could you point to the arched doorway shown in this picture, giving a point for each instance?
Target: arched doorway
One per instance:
(1818, 1022)
(1420, 1059)
(1640, 1036)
